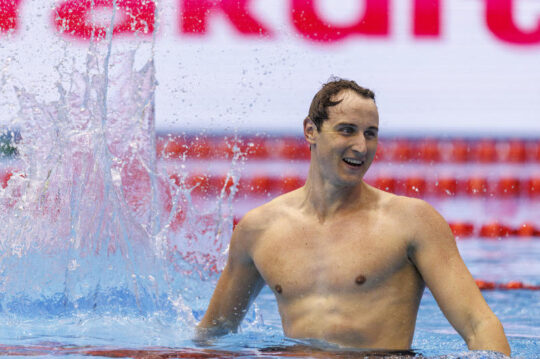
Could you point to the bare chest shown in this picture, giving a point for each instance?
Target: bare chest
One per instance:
(299, 259)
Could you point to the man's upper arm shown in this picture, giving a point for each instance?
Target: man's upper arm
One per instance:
(435, 254)
(239, 283)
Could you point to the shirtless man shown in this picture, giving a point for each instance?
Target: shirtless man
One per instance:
(347, 262)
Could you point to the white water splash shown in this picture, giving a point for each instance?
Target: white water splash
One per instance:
(93, 223)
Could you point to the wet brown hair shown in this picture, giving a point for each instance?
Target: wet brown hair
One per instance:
(318, 111)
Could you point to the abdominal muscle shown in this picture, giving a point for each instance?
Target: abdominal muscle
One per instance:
(349, 321)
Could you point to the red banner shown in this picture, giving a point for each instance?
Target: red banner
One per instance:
(71, 18)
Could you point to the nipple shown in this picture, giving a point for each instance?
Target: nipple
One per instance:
(278, 288)
(360, 280)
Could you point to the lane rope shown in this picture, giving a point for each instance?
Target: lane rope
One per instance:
(511, 285)
(434, 150)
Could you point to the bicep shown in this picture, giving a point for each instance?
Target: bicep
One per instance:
(437, 258)
(239, 283)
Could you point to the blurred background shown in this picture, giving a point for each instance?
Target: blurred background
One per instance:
(457, 85)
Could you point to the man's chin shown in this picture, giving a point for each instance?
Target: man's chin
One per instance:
(351, 181)
(356, 176)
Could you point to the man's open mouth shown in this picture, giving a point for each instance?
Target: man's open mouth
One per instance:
(353, 162)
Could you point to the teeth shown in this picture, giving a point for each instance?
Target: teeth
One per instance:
(352, 161)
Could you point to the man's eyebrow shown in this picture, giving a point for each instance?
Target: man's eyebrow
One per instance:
(373, 128)
(345, 124)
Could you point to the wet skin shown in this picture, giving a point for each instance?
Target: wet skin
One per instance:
(348, 263)
(346, 286)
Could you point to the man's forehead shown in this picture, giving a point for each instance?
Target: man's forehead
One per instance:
(343, 94)
(351, 101)
(351, 98)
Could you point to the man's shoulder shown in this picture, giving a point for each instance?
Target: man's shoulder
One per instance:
(408, 212)
(417, 219)
(401, 205)
(269, 214)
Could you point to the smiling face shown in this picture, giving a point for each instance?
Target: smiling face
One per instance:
(345, 146)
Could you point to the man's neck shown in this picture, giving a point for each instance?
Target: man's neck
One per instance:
(327, 199)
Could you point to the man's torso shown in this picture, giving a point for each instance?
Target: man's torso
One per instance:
(346, 280)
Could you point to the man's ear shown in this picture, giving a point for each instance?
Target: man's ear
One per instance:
(310, 131)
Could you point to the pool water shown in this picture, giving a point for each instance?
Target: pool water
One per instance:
(163, 333)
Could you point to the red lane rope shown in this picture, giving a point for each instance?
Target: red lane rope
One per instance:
(413, 186)
(493, 230)
(390, 149)
(512, 285)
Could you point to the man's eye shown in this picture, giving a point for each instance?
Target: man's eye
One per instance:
(370, 134)
(347, 130)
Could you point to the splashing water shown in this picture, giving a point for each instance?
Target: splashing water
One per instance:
(92, 224)
(99, 246)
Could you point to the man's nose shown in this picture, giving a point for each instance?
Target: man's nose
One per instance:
(359, 144)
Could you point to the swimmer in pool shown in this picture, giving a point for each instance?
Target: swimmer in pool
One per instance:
(348, 263)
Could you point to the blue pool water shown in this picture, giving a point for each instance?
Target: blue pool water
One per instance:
(51, 329)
